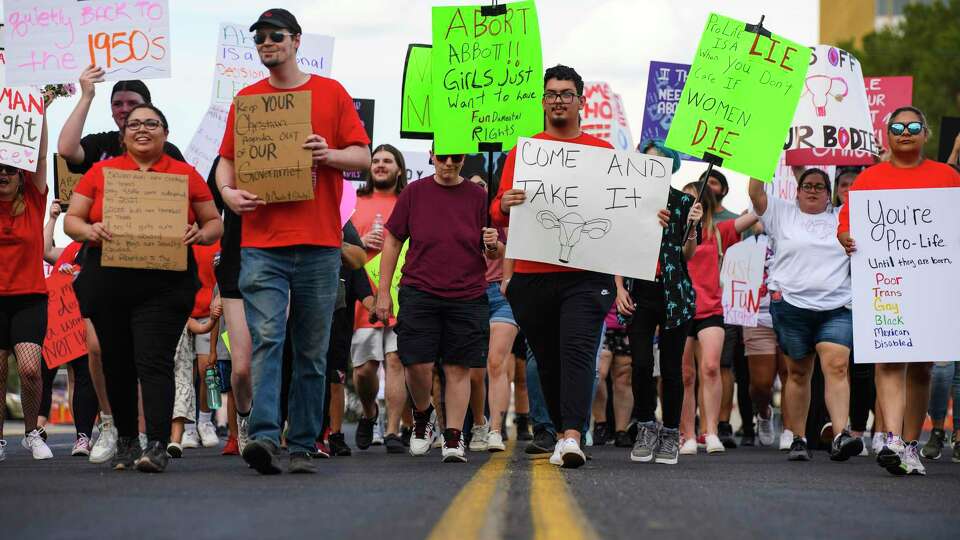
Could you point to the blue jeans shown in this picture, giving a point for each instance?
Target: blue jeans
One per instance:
(945, 376)
(307, 277)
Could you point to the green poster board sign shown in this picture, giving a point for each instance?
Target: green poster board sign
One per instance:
(415, 95)
(487, 78)
(373, 270)
(739, 98)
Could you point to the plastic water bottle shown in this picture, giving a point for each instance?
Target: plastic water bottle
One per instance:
(378, 223)
(212, 379)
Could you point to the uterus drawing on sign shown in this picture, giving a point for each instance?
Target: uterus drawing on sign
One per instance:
(823, 87)
(572, 226)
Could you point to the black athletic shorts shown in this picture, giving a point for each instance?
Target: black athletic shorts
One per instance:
(520, 346)
(431, 328)
(732, 345)
(338, 355)
(23, 319)
(228, 269)
(702, 324)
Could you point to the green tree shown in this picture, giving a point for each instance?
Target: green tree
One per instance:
(926, 46)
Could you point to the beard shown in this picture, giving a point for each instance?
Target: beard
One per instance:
(558, 121)
(274, 61)
(385, 184)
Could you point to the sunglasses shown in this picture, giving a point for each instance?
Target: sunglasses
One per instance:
(9, 170)
(276, 36)
(442, 158)
(913, 128)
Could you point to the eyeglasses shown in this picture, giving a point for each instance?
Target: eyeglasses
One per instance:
(812, 188)
(276, 36)
(9, 170)
(442, 158)
(913, 128)
(149, 125)
(565, 97)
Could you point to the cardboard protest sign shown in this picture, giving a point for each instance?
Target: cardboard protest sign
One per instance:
(270, 158)
(52, 41)
(736, 106)
(21, 120)
(205, 144)
(415, 95)
(238, 63)
(588, 207)
(63, 181)
(832, 124)
(885, 95)
(949, 129)
(741, 278)
(373, 270)
(904, 274)
(665, 84)
(146, 214)
(487, 87)
(66, 337)
(604, 116)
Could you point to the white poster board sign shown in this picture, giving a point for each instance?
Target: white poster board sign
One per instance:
(205, 144)
(21, 115)
(906, 280)
(52, 41)
(238, 63)
(418, 165)
(740, 278)
(589, 208)
(604, 115)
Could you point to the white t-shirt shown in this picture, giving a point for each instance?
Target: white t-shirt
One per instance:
(810, 267)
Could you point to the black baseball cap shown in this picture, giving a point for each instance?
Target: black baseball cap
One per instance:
(278, 18)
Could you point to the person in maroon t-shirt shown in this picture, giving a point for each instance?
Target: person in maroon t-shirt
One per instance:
(444, 311)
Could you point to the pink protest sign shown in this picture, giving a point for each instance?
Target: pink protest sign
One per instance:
(885, 95)
(348, 202)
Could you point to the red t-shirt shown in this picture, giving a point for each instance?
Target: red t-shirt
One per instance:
(91, 185)
(21, 243)
(929, 174)
(368, 206)
(506, 183)
(445, 228)
(315, 222)
(204, 256)
(704, 269)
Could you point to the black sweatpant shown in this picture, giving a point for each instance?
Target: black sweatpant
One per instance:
(863, 394)
(649, 314)
(562, 316)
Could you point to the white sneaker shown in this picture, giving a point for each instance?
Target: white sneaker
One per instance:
(689, 447)
(478, 441)
(34, 442)
(82, 446)
(786, 439)
(420, 446)
(437, 441)
(556, 458)
(866, 447)
(377, 435)
(191, 439)
(3, 453)
(208, 434)
(911, 460)
(106, 446)
(243, 431)
(143, 441)
(456, 454)
(714, 445)
(765, 433)
(878, 441)
(495, 442)
(570, 454)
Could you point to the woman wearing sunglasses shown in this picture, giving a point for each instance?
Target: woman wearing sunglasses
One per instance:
(902, 389)
(138, 314)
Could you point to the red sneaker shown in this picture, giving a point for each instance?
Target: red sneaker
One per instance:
(321, 452)
(231, 448)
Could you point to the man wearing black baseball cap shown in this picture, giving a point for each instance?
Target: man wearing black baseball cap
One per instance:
(290, 251)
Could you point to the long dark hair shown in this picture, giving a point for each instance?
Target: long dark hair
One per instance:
(709, 202)
(367, 188)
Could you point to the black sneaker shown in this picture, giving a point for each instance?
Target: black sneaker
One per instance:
(600, 434)
(262, 456)
(153, 459)
(748, 441)
(300, 463)
(623, 440)
(128, 450)
(934, 447)
(799, 450)
(725, 432)
(522, 423)
(364, 436)
(542, 443)
(845, 446)
(405, 434)
(632, 430)
(394, 444)
(338, 445)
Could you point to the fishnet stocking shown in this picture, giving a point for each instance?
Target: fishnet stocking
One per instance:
(31, 383)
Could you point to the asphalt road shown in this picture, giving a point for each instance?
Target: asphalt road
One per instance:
(746, 493)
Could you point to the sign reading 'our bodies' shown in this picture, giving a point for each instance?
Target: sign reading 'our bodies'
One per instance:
(52, 41)
(905, 277)
(486, 77)
(238, 63)
(588, 207)
(739, 98)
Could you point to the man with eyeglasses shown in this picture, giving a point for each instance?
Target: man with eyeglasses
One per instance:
(290, 252)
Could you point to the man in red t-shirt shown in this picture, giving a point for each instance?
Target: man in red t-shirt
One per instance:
(290, 252)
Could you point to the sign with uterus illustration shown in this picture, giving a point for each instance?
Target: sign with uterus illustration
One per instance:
(588, 207)
(832, 124)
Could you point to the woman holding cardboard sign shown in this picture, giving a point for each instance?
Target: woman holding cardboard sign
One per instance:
(139, 313)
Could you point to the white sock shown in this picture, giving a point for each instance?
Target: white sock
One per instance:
(205, 417)
(190, 428)
(106, 418)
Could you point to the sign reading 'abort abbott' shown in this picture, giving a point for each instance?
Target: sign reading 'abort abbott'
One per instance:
(588, 207)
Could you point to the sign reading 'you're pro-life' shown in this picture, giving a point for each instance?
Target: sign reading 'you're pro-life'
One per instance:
(739, 97)
(588, 207)
(905, 274)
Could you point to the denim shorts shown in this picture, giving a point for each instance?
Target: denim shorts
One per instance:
(799, 330)
(499, 307)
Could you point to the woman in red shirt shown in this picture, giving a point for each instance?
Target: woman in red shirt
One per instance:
(23, 290)
(139, 314)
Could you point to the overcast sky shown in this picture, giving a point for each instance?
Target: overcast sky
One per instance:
(605, 40)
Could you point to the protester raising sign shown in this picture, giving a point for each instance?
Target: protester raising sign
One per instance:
(741, 278)
(415, 94)
(665, 83)
(604, 116)
(905, 274)
(66, 337)
(885, 95)
(832, 124)
(205, 144)
(238, 64)
(588, 207)
(486, 69)
(21, 120)
(736, 106)
(52, 41)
